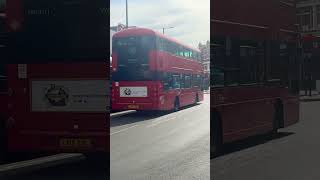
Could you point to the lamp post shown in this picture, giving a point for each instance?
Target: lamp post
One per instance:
(127, 14)
(166, 28)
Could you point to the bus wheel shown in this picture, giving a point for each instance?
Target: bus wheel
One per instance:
(216, 136)
(3, 142)
(176, 106)
(101, 160)
(278, 117)
(197, 99)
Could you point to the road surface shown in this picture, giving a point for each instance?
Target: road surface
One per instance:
(146, 146)
(294, 154)
(155, 146)
(79, 170)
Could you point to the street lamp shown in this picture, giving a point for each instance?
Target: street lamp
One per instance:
(127, 14)
(166, 28)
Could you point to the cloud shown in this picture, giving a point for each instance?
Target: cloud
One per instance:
(190, 18)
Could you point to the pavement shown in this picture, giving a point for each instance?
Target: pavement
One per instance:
(315, 96)
(160, 146)
(292, 154)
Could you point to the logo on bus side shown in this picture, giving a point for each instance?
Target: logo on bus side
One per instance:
(132, 50)
(57, 95)
(127, 92)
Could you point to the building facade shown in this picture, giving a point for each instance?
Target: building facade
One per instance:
(308, 19)
(308, 16)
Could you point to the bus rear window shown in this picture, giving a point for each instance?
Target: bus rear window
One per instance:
(2, 5)
(63, 29)
(133, 50)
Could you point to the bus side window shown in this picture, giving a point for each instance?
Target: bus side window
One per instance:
(187, 82)
(168, 82)
(194, 80)
(176, 82)
(160, 44)
(182, 81)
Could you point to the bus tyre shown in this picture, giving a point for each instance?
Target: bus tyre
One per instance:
(3, 141)
(176, 106)
(100, 160)
(216, 136)
(197, 99)
(278, 116)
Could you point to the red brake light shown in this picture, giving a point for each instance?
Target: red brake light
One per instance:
(114, 61)
(14, 15)
(14, 25)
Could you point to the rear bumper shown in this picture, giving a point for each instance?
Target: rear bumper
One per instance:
(136, 106)
(32, 141)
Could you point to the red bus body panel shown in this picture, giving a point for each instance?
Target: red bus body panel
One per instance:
(157, 99)
(159, 61)
(41, 131)
(249, 110)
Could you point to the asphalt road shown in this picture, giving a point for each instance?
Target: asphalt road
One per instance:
(151, 146)
(79, 170)
(293, 154)
(146, 146)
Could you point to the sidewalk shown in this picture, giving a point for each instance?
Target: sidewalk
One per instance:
(315, 96)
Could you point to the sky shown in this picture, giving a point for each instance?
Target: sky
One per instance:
(190, 18)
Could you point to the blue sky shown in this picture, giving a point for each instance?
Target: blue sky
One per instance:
(190, 18)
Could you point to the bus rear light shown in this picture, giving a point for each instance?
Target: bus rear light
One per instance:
(10, 122)
(116, 84)
(161, 99)
(10, 92)
(160, 86)
(15, 25)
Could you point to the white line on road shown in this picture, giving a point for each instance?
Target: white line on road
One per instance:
(122, 130)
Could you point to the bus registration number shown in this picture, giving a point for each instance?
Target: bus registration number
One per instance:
(133, 106)
(72, 143)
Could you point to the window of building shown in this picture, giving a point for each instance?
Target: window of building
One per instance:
(305, 18)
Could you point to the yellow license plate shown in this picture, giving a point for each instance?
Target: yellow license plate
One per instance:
(133, 106)
(75, 143)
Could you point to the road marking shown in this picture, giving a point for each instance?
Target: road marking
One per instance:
(160, 121)
(122, 130)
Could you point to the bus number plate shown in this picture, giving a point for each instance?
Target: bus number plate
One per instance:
(133, 106)
(74, 143)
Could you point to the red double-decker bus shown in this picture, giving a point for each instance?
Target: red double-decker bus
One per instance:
(254, 69)
(57, 76)
(154, 72)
